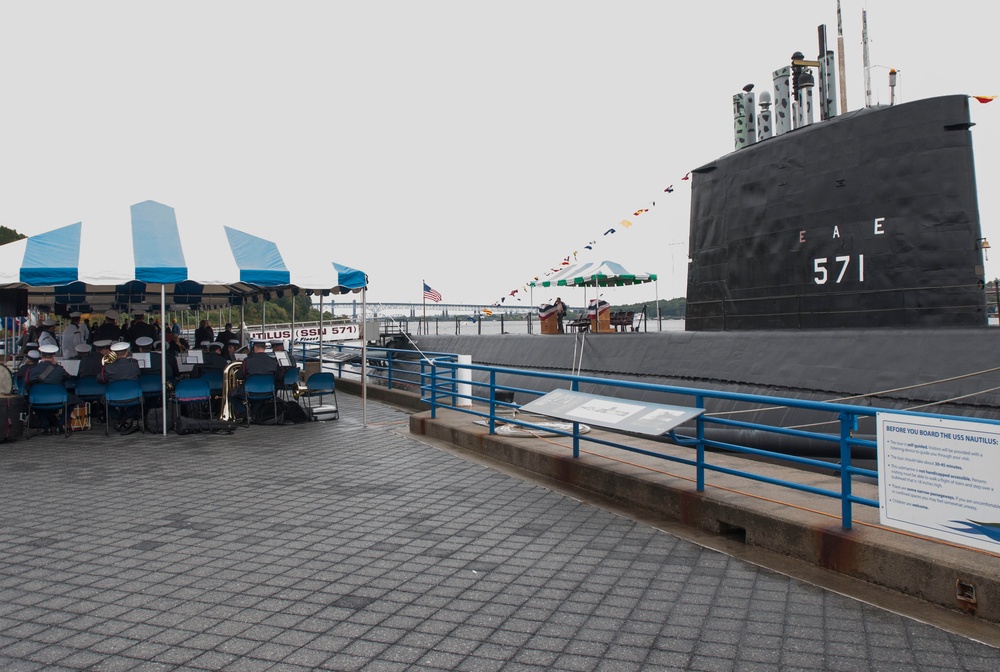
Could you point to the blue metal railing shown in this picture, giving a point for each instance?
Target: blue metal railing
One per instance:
(437, 376)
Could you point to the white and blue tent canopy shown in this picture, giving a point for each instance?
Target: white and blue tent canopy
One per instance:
(120, 262)
(595, 274)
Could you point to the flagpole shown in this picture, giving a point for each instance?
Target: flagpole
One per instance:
(424, 294)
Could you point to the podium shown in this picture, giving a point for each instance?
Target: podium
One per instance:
(548, 316)
(599, 314)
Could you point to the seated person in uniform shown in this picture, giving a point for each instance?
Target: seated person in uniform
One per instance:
(230, 352)
(257, 362)
(90, 361)
(123, 368)
(212, 359)
(286, 362)
(31, 358)
(145, 344)
(48, 371)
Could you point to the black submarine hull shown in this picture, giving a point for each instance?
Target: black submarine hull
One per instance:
(869, 219)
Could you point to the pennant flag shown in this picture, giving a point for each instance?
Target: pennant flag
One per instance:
(472, 319)
(669, 189)
(687, 177)
(625, 223)
(513, 292)
(609, 231)
(985, 99)
(588, 247)
(431, 294)
(487, 312)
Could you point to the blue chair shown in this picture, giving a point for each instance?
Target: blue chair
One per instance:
(289, 380)
(19, 386)
(214, 379)
(259, 388)
(152, 385)
(321, 384)
(193, 391)
(48, 397)
(90, 390)
(123, 395)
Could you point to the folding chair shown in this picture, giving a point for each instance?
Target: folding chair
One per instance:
(321, 384)
(90, 390)
(193, 391)
(123, 395)
(288, 382)
(259, 387)
(48, 397)
(152, 386)
(214, 379)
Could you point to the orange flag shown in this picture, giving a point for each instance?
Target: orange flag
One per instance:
(985, 99)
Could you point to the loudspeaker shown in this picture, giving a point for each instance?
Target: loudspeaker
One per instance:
(13, 302)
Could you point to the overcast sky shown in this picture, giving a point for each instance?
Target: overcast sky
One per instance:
(470, 144)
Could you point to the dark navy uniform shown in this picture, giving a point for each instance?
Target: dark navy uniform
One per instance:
(139, 329)
(109, 331)
(121, 369)
(90, 365)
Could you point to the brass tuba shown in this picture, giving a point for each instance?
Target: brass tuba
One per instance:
(108, 358)
(229, 383)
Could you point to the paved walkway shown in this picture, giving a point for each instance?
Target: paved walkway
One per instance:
(335, 546)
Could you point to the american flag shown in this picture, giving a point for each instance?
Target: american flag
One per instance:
(431, 294)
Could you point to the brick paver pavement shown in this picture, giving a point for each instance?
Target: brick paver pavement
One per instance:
(335, 546)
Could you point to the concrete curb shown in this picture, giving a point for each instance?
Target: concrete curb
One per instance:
(792, 524)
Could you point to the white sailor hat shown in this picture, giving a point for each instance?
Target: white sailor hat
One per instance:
(215, 346)
(76, 313)
(33, 354)
(143, 342)
(83, 348)
(112, 315)
(104, 343)
(120, 346)
(157, 345)
(204, 344)
(48, 322)
(233, 341)
(31, 345)
(138, 313)
(277, 341)
(48, 349)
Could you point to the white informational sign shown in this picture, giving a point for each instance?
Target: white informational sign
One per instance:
(940, 478)
(330, 332)
(642, 417)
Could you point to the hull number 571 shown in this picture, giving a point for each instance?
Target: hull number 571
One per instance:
(840, 265)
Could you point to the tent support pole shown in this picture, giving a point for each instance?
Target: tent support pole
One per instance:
(163, 355)
(321, 331)
(364, 357)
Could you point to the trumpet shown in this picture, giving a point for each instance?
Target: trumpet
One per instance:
(229, 383)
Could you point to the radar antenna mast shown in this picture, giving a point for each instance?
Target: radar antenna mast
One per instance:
(868, 74)
(840, 59)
